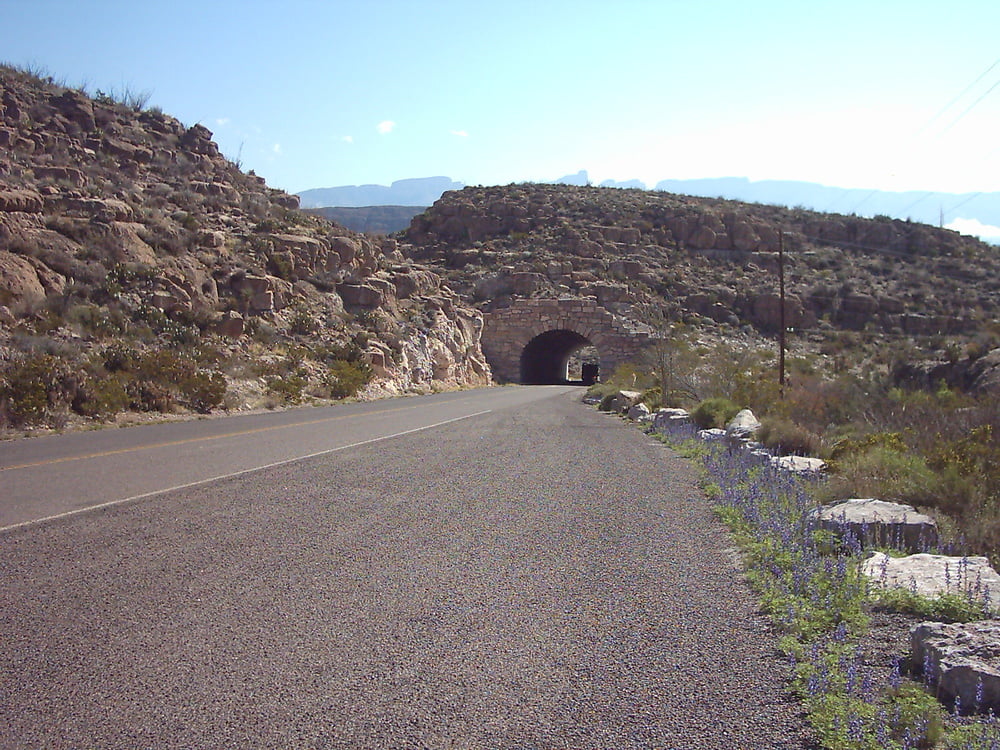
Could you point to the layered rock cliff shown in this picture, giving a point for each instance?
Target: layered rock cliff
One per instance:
(121, 224)
(710, 259)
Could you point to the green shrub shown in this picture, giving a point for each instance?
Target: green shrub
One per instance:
(203, 391)
(289, 388)
(148, 396)
(785, 437)
(32, 387)
(942, 608)
(302, 322)
(119, 357)
(345, 379)
(714, 413)
(607, 400)
(652, 398)
(600, 390)
(101, 398)
(885, 473)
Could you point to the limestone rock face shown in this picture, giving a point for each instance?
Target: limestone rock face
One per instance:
(19, 282)
(447, 353)
(22, 201)
(109, 213)
(963, 660)
(879, 523)
(933, 575)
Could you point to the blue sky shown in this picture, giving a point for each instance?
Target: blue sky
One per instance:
(869, 94)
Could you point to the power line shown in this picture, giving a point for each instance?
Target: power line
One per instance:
(964, 91)
(970, 107)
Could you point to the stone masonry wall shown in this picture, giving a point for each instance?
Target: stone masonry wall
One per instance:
(507, 332)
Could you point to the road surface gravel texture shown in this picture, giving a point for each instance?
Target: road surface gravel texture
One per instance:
(540, 576)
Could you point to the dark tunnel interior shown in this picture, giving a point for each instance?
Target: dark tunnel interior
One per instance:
(545, 358)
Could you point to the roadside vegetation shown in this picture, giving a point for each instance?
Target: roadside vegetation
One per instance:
(94, 362)
(937, 450)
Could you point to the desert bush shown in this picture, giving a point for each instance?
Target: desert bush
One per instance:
(607, 400)
(101, 397)
(302, 322)
(886, 473)
(345, 379)
(33, 387)
(203, 391)
(785, 437)
(599, 390)
(119, 357)
(148, 396)
(288, 388)
(652, 398)
(714, 413)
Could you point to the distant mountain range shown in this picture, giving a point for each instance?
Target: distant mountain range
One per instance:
(969, 213)
(420, 191)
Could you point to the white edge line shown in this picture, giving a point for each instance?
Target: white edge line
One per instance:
(145, 495)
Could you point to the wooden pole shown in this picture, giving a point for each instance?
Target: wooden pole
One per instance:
(781, 312)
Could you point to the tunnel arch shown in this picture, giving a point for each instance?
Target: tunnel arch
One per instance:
(507, 332)
(545, 358)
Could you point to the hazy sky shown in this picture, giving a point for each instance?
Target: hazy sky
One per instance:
(853, 93)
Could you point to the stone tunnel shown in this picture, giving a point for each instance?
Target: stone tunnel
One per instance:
(531, 341)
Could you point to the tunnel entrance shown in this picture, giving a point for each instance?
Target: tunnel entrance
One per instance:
(559, 357)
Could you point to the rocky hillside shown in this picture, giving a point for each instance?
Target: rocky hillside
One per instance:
(125, 236)
(712, 261)
(370, 219)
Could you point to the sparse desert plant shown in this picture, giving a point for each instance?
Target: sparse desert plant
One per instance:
(33, 387)
(345, 379)
(785, 437)
(289, 388)
(714, 412)
(886, 473)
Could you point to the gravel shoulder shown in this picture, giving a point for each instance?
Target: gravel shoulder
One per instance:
(536, 577)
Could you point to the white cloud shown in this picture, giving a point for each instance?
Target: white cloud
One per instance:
(460, 133)
(347, 138)
(222, 122)
(976, 228)
(276, 148)
(385, 126)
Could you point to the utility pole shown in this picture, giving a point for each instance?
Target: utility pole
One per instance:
(781, 312)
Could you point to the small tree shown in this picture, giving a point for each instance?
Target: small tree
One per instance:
(669, 356)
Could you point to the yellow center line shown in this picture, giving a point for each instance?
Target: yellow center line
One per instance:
(207, 438)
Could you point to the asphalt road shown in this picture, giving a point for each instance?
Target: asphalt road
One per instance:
(58, 474)
(501, 569)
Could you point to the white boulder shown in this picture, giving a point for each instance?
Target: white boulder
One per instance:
(743, 426)
(933, 575)
(798, 464)
(963, 660)
(879, 523)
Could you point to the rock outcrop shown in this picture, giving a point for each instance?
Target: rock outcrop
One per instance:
(709, 260)
(113, 214)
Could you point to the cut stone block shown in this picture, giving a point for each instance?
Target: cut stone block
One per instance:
(877, 523)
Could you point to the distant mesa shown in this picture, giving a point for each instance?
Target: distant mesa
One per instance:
(580, 179)
(926, 207)
(970, 213)
(421, 191)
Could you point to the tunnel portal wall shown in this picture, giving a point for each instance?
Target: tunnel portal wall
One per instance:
(507, 332)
